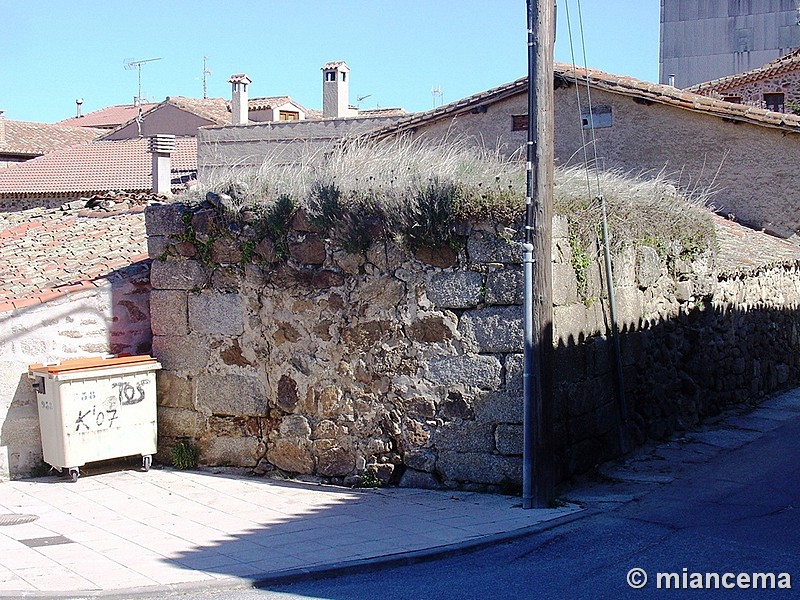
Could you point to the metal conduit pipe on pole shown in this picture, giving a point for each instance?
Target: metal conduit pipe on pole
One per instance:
(537, 468)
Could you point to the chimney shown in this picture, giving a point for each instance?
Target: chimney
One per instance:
(335, 95)
(2, 127)
(672, 79)
(161, 146)
(78, 104)
(239, 105)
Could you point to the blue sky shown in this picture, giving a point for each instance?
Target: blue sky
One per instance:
(54, 51)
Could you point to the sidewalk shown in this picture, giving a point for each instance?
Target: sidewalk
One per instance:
(125, 532)
(116, 532)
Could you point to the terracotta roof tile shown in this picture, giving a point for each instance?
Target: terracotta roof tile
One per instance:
(25, 137)
(785, 64)
(215, 110)
(335, 64)
(618, 84)
(108, 117)
(46, 254)
(268, 102)
(95, 168)
(240, 78)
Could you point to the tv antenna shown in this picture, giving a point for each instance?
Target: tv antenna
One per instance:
(206, 75)
(360, 98)
(130, 64)
(437, 93)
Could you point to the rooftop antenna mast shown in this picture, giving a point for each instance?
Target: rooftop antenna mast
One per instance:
(206, 75)
(131, 64)
(437, 93)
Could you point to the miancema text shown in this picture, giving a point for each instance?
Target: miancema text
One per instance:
(687, 580)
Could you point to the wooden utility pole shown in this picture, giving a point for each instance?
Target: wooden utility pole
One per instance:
(537, 470)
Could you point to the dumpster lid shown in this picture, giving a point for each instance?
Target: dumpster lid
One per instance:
(97, 362)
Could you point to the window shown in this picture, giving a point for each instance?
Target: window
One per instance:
(774, 101)
(519, 122)
(344, 76)
(330, 75)
(734, 99)
(288, 115)
(600, 116)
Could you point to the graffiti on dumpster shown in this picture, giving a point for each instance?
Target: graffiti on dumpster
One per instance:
(102, 415)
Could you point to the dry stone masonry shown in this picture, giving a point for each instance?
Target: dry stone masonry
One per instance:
(328, 364)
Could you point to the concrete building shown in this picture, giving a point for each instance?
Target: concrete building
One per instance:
(703, 40)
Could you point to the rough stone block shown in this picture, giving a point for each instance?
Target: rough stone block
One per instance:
(231, 394)
(464, 436)
(648, 266)
(168, 312)
(420, 459)
(479, 371)
(479, 467)
(484, 247)
(419, 480)
(176, 274)
(164, 219)
(496, 329)
(157, 245)
(291, 456)
(336, 462)
(180, 422)
(180, 353)
(515, 365)
(174, 391)
(459, 289)
(216, 312)
(508, 439)
(499, 407)
(229, 452)
(565, 285)
(505, 286)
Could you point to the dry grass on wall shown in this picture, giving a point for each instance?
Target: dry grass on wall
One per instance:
(422, 192)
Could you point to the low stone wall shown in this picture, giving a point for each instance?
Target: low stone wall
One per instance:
(111, 318)
(330, 363)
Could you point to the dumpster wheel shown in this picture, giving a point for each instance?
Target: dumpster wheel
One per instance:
(74, 473)
(147, 462)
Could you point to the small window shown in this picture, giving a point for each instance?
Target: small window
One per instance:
(330, 75)
(288, 115)
(598, 117)
(734, 99)
(774, 101)
(344, 76)
(519, 122)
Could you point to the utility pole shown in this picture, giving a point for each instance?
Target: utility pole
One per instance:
(537, 460)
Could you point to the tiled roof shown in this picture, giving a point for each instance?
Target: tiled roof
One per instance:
(269, 102)
(25, 137)
(215, 110)
(617, 84)
(46, 253)
(240, 78)
(335, 64)
(382, 112)
(744, 250)
(95, 168)
(108, 117)
(785, 64)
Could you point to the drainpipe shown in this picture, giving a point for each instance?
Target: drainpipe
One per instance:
(161, 146)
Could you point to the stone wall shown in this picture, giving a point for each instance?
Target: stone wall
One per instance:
(111, 318)
(329, 363)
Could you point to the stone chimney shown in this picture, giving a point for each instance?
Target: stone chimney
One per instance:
(2, 127)
(161, 146)
(239, 105)
(335, 94)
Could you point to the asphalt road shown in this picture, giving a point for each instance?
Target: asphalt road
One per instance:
(735, 513)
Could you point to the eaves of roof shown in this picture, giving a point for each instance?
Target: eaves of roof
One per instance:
(787, 63)
(617, 84)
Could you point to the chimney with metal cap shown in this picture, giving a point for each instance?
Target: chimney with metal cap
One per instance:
(239, 105)
(78, 104)
(672, 79)
(161, 146)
